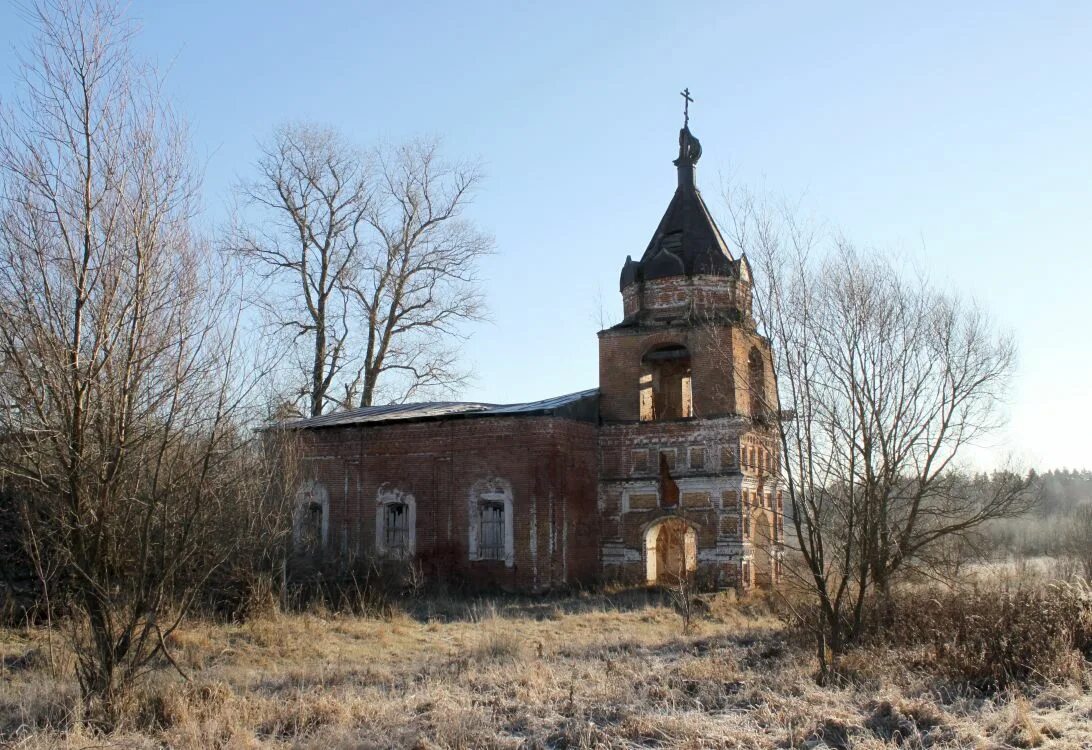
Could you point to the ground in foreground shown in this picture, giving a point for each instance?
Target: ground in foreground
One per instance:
(592, 671)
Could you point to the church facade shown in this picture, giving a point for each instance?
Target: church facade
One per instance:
(668, 469)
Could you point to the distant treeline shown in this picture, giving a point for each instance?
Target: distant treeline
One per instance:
(1059, 523)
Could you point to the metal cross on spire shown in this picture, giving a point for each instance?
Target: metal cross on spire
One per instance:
(685, 94)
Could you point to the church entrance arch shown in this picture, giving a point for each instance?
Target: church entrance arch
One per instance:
(671, 550)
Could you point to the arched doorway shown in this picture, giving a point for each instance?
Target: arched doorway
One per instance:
(671, 551)
(764, 547)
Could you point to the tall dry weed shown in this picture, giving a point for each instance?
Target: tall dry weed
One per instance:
(997, 636)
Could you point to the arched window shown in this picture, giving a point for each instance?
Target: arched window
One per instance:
(756, 381)
(395, 524)
(665, 387)
(492, 526)
(310, 518)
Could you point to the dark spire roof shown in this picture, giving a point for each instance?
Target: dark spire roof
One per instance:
(687, 241)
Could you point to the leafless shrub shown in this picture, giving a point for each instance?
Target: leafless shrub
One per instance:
(683, 599)
(884, 380)
(126, 431)
(1077, 540)
(994, 637)
(497, 643)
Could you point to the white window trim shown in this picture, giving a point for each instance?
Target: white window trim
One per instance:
(690, 451)
(491, 491)
(642, 488)
(390, 496)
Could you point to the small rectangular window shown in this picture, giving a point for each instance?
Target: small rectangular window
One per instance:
(642, 501)
(667, 458)
(640, 461)
(697, 457)
(491, 529)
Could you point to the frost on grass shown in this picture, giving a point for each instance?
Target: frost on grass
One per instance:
(586, 673)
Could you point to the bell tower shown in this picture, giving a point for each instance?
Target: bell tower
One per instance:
(688, 479)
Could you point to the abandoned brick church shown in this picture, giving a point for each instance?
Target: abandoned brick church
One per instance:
(669, 467)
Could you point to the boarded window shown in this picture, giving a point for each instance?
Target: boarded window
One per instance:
(396, 529)
(667, 458)
(640, 461)
(697, 457)
(730, 498)
(695, 499)
(643, 501)
(491, 530)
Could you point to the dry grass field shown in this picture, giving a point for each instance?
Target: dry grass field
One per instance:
(582, 672)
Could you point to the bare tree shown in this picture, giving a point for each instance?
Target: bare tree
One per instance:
(119, 347)
(888, 381)
(422, 283)
(372, 267)
(314, 194)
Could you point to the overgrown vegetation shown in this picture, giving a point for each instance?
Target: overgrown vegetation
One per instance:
(580, 671)
(998, 635)
(883, 379)
(153, 514)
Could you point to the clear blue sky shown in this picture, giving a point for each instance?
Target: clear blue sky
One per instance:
(959, 134)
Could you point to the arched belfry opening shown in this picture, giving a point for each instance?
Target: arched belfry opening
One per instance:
(671, 551)
(756, 383)
(665, 385)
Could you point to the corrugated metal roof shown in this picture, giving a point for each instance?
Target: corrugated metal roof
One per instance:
(441, 410)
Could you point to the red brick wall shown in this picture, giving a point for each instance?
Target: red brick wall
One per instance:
(718, 359)
(712, 319)
(550, 464)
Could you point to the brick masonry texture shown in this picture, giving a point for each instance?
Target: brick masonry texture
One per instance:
(549, 464)
(584, 496)
(677, 471)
